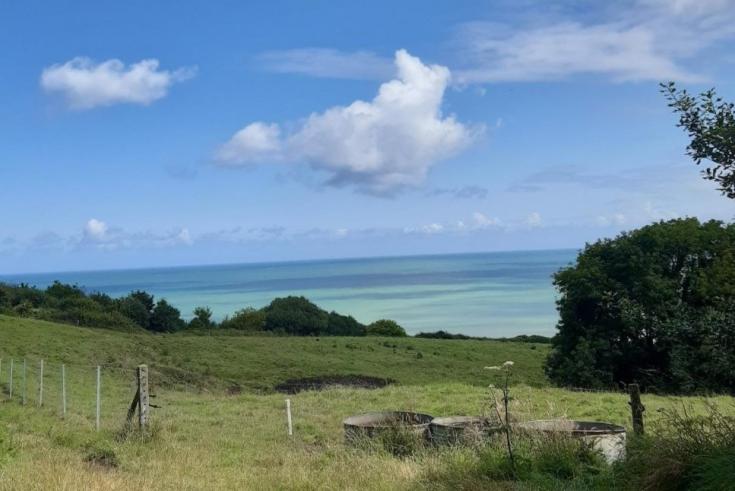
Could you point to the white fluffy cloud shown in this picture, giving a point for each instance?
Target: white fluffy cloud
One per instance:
(378, 146)
(85, 84)
(257, 142)
(95, 230)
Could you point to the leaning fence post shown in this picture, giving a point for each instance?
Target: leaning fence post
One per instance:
(11, 378)
(40, 386)
(97, 422)
(636, 408)
(143, 397)
(24, 382)
(63, 391)
(288, 417)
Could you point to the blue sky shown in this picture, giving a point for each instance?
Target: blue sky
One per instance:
(142, 134)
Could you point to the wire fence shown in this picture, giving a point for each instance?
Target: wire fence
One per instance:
(95, 395)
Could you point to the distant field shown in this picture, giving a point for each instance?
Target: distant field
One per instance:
(221, 439)
(221, 362)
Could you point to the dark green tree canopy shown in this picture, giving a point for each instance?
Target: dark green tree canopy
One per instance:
(295, 315)
(166, 318)
(710, 123)
(385, 327)
(631, 308)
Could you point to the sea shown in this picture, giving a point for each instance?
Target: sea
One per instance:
(494, 294)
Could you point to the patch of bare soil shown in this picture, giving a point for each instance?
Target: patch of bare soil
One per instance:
(296, 385)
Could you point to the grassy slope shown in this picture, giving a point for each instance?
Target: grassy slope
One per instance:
(214, 441)
(262, 362)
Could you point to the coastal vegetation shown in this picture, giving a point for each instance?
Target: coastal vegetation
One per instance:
(139, 310)
(654, 306)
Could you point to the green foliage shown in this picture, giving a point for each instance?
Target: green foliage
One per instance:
(248, 319)
(385, 327)
(343, 325)
(297, 316)
(710, 123)
(683, 451)
(166, 318)
(202, 319)
(134, 309)
(654, 306)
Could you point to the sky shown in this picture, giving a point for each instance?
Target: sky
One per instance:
(141, 134)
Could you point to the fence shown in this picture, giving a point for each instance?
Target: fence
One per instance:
(101, 396)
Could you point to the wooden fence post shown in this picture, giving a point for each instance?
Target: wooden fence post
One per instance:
(11, 378)
(63, 391)
(97, 422)
(143, 396)
(40, 386)
(636, 408)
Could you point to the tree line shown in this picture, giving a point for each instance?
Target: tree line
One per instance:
(140, 310)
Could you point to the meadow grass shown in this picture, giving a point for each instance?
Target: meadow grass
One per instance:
(209, 439)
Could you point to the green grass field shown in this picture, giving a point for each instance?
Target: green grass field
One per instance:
(205, 435)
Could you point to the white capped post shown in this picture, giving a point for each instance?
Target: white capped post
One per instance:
(288, 417)
(97, 424)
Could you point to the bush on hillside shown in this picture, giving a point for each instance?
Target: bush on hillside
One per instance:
(343, 325)
(653, 306)
(297, 316)
(385, 327)
(247, 319)
(166, 318)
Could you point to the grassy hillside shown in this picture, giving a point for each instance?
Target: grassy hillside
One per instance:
(221, 439)
(219, 362)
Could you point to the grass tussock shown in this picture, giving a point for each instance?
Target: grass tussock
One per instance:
(684, 450)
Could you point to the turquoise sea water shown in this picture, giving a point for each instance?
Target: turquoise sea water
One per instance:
(488, 294)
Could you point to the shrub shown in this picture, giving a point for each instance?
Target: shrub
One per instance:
(165, 318)
(683, 451)
(385, 327)
(295, 315)
(247, 319)
(343, 325)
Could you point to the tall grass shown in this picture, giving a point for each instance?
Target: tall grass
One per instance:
(684, 450)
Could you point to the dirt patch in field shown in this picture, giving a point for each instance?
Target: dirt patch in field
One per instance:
(296, 385)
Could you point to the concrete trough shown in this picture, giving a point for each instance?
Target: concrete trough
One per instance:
(461, 430)
(607, 438)
(371, 425)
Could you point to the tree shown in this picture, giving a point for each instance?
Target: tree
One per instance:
(630, 309)
(247, 319)
(344, 325)
(710, 123)
(165, 318)
(295, 315)
(132, 308)
(202, 318)
(385, 327)
(145, 298)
